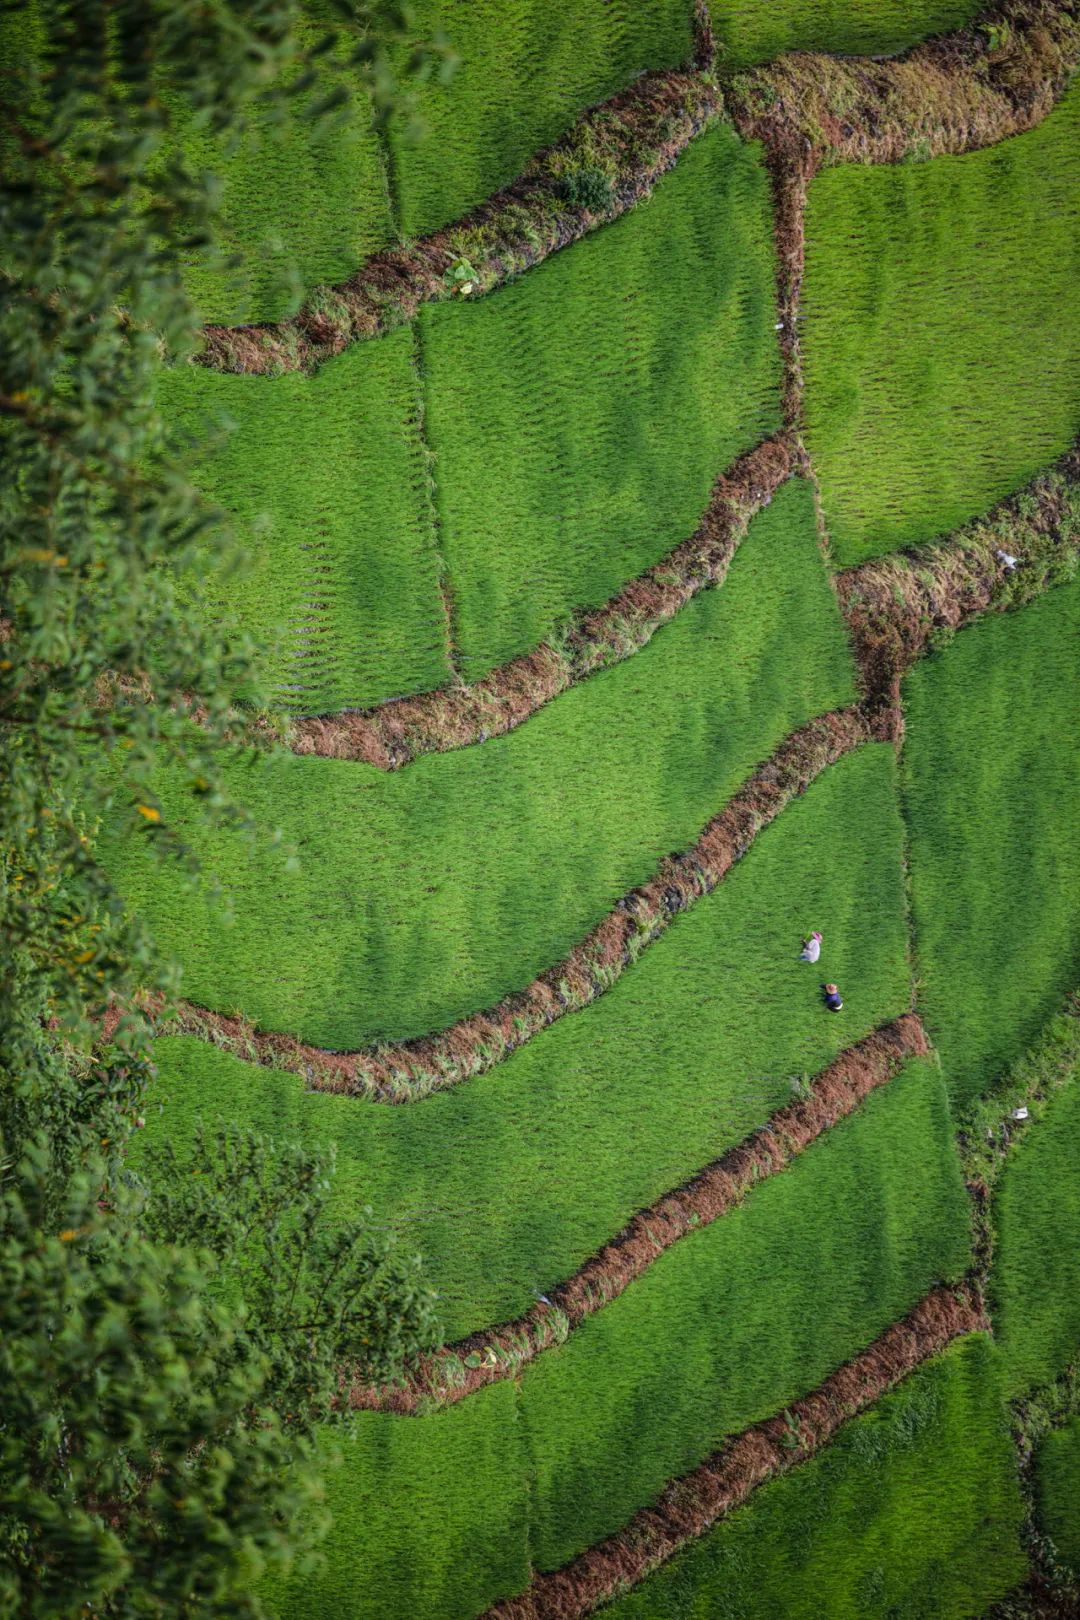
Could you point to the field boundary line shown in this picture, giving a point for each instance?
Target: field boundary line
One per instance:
(997, 77)
(393, 734)
(1052, 1587)
(638, 134)
(895, 608)
(899, 605)
(408, 1070)
(491, 1355)
(693, 1504)
(988, 1131)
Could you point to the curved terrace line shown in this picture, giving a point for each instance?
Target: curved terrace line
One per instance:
(393, 734)
(996, 78)
(690, 1506)
(893, 606)
(412, 1069)
(943, 585)
(460, 1369)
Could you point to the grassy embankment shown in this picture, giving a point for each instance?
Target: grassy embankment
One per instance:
(578, 420)
(912, 1512)
(926, 398)
(1036, 1279)
(992, 786)
(425, 894)
(579, 416)
(527, 68)
(509, 1182)
(736, 1321)
(747, 31)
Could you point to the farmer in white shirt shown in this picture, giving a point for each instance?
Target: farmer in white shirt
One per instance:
(811, 948)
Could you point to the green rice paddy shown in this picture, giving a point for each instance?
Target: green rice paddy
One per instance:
(992, 795)
(527, 68)
(299, 207)
(941, 333)
(752, 1311)
(437, 889)
(712, 1306)
(1057, 1490)
(579, 416)
(1036, 1277)
(430, 1516)
(508, 1182)
(312, 473)
(538, 448)
(912, 1513)
(749, 31)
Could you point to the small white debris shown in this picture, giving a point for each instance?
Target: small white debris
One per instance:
(1010, 564)
(1019, 1113)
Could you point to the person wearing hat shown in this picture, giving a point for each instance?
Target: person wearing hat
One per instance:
(832, 997)
(811, 949)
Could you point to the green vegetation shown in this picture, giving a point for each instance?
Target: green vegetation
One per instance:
(877, 1206)
(527, 68)
(508, 1182)
(1057, 1488)
(1036, 1277)
(991, 783)
(927, 397)
(429, 1516)
(300, 206)
(748, 31)
(609, 387)
(912, 1513)
(156, 1410)
(738, 1320)
(314, 472)
(579, 416)
(439, 888)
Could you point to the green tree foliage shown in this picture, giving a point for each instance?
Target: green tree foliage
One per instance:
(157, 1393)
(312, 1292)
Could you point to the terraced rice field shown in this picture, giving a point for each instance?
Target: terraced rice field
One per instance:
(990, 764)
(927, 399)
(528, 840)
(913, 1511)
(749, 1310)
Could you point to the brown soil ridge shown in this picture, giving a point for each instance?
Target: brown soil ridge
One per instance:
(412, 1069)
(998, 77)
(690, 1506)
(459, 1369)
(633, 138)
(395, 733)
(896, 606)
